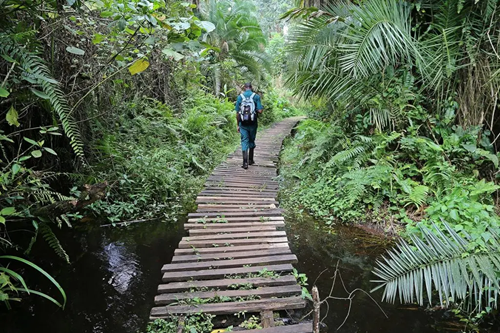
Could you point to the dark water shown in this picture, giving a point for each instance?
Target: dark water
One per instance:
(319, 252)
(110, 284)
(114, 274)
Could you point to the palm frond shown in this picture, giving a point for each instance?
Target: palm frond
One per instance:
(441, 264)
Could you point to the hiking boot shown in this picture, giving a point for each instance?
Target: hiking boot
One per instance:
(245, 160)
(250, 157)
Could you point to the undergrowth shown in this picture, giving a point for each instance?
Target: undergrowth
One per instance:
(155, 158)
(393, 179)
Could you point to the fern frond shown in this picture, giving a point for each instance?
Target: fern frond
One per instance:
(52, 240)
(347, 154)
(37, 72)
(441, 263)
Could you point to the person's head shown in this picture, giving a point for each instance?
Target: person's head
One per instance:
(248, 85)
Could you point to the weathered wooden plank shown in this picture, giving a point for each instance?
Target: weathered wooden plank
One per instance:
(225, 249)
(221, 236)
(235, 209)
(265, 292)
(232, 207)
(203, 199)
(229, 219)
(229, 229)
(230, 242)
(297, 328)
(226, 263)
(234, 225)
(234, 194)
(227, 255)
(221, 273)
(267, 212)
(223, 284)
(276, 304)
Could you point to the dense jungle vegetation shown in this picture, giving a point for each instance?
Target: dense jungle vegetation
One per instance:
(114, 111)
(404, 139)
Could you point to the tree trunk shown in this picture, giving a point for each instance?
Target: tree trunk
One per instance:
(217, 80)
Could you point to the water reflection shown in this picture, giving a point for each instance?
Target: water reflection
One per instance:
(110, 283)
(122, 263)
(320, 250)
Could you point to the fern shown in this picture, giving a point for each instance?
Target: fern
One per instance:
(347, 155)
(52, 240)
(37, 73)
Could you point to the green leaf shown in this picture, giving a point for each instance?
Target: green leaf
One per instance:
(98, 38)
(15, 169)
(40, 94)
(106, 14)
(41, 271)
(24, 158)
(171, 53)
(49, 150)
(3, 92)
(454, 214)
(8, 211)
(36, 153)
(139, 66)
(75, 50)
(8, 58)
(206, 25)
(11, 117)
(34, 143)
(2, 219)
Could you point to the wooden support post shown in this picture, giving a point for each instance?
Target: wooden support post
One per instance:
(267, 319)
(180, 325)
(316, 306)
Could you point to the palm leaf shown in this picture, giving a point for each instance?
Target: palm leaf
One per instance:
(440, 263)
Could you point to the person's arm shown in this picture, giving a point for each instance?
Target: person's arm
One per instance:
(237, 109)
(259, 106)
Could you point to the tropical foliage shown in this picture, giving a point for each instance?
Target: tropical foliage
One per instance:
(116, 110)
(405, 137)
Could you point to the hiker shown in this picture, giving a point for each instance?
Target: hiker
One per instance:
(247, 107)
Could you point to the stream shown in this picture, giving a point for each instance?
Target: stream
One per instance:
(114, 274)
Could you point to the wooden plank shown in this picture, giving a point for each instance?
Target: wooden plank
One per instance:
(234, 225)
(226, 263)
(265, 292)
(267, 212)
(225, 249)
(223, 284)
(221, 273)
(233, 194)
(239, 189)
(202, 199)
(228, 229)
(229, 219)
(235, 209)
(297, 328)
(227, 255)
(230, 242)
(220, 236)
(276, 304)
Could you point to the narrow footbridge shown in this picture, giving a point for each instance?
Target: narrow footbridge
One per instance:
(235, 258)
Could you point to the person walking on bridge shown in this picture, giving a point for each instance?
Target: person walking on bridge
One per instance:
(248, 106)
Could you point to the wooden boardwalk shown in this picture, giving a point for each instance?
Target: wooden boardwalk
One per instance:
(235, 257)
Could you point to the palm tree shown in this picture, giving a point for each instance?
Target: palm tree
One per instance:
(237, 37)
(341, 50)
